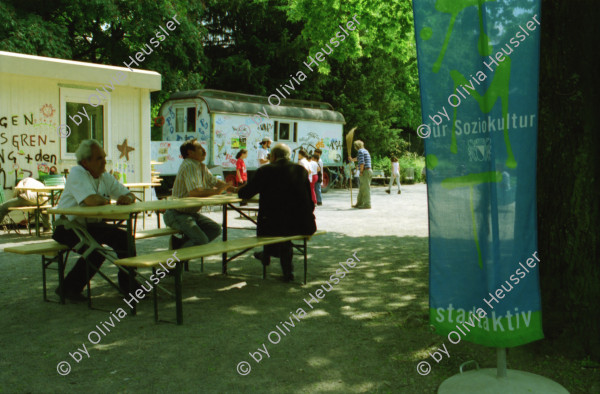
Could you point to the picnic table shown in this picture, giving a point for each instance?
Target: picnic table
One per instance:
(129, 212)
(143, 186)
(44, 190)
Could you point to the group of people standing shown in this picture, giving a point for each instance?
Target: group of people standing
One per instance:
(311, 162)
(314, 166)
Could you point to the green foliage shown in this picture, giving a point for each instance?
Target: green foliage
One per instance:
(248, 46)
(411, 160)
(382, 163)
(408, 160)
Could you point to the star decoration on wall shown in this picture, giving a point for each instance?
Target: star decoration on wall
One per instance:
(124, 149)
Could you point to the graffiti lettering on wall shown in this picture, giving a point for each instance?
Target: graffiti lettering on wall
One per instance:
(28, 144)
(331, 148)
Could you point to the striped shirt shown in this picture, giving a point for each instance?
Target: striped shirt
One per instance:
(364, 158)
(192, 175)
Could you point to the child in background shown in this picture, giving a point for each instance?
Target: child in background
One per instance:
(241, 175)
(395, 175)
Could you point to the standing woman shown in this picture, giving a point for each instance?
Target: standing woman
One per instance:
(303, 161)
(395, 175)
(241, 175)
(317, 157)
(314, 175)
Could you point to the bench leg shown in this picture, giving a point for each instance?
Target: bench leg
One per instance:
(155, 298)
(132, 283)
(44, 276)
(201, 264)
(89, 288)
(61, 277)
(224, 270)
(178, 295)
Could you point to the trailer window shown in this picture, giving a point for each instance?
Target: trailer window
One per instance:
(85, 129)
(284, 131)
(191, 119)
(179, 120)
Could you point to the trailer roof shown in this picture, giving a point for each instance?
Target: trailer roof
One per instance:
(247, 104)
(70, 70)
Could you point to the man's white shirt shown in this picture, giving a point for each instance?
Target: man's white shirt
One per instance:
(81, 184)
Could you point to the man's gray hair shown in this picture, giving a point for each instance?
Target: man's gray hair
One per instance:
(84, 151)
(281, 151)
(358, 144)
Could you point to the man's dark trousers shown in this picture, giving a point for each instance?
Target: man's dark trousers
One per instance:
(104, 234)
(284, 251)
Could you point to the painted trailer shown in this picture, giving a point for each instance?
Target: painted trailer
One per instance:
(47, 106)
(225, 122)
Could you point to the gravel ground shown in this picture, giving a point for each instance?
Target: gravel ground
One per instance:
(366, 335)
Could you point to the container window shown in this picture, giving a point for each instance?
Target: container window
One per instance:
(191, 119)
(86, 129)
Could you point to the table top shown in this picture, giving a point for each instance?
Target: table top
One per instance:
(141, 184)
(109, 211)
(41, 189)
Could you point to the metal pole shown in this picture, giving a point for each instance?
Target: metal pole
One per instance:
(501, 360)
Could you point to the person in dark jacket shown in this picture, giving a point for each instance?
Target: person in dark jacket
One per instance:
(285, 205)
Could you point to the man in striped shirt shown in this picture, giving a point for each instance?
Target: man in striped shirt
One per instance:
(363, 160)
(194, 180)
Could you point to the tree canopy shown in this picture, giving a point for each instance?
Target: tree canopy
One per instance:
(245, 46)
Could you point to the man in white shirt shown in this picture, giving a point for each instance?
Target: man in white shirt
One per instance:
(88, 184)
(263, 151)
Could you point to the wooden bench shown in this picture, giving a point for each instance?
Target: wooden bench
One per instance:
(31, 209)
(53, 252)
(157, 259)
(379, 175)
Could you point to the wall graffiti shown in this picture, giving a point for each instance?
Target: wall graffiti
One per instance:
(28, 144)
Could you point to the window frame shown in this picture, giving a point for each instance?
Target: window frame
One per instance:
(81, 96)
(290, 132)
(185, 107)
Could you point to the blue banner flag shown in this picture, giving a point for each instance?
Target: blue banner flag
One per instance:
(478, 70)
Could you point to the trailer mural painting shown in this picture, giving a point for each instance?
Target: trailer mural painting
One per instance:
(223, 123)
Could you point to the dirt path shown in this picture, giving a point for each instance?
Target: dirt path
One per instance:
(365, 335)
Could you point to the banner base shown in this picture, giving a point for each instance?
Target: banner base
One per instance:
(486, 381)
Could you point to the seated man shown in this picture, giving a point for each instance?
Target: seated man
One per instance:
(88, 184)
(285, 205)
(193, 180)
(27, 198)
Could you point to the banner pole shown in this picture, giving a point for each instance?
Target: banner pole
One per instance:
(501, 362)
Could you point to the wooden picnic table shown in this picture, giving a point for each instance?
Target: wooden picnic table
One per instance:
(129, 212)
(143, 186)
(47, 190)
